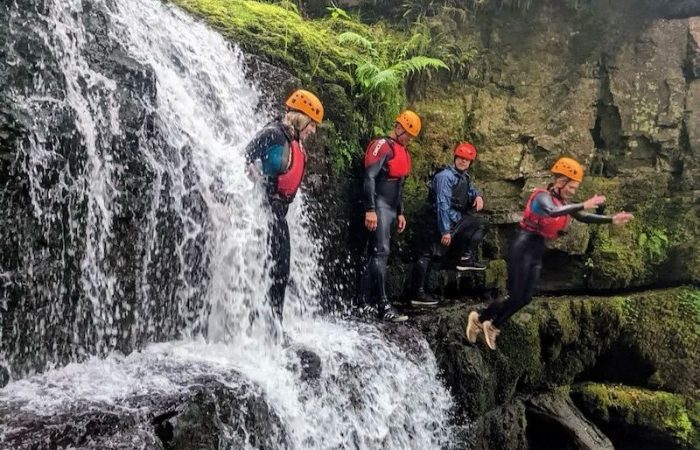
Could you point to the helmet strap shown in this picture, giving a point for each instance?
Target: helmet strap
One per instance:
(398, 135)
(308, 122)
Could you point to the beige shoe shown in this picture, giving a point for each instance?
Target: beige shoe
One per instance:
(490, 334)
(473, 327)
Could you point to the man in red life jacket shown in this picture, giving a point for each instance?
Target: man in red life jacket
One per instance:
(277, 156)
(547, 214)
(387, 164)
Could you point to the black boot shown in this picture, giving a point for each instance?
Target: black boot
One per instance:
(468, 262)
(420, 274)
(423, 299)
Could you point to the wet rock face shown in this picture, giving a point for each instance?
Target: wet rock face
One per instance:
(209, 414)
(620, 99)
(637, 418)
(644, 339)
(45, 226)
(543, 421)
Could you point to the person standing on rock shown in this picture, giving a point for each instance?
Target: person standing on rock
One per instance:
(276, 156)
(547, 214)
(459, 231)
(387, 164)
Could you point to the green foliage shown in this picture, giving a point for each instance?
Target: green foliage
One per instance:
(663, 328)
(670, 416)
(381, 69)
(342, 152)
(370, 63)
(654, 244)
(279, 34)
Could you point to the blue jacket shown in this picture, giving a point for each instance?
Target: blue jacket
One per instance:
(442, 185)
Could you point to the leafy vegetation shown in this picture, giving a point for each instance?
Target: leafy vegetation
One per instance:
(380, 75)
(671, 417)
(370, 63)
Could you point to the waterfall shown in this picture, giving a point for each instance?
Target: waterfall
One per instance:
(147, 191)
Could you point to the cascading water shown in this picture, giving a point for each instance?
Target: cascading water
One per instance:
(163, 185)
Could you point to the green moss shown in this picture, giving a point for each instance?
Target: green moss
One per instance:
(662, 413)
(359, 70)
(551, 342)
(663, 327)
(279, 33)
(656, 245)
(497, 274)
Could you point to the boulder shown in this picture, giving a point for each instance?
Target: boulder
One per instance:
(641, 419)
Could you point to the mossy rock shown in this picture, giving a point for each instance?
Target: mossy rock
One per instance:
(655, 245)
(664, 328)
(639, 418)
(554, 342)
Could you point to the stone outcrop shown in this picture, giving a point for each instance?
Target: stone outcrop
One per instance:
(208, 414)
(649, 340)
(621, 99)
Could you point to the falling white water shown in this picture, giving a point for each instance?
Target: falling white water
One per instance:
(370, 393)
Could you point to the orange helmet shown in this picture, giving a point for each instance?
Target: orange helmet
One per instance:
(466, 150)
(410, 122)
(306, 102)
(568, 167)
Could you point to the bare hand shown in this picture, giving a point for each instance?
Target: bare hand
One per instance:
(371, 220)
(622, 218)
(253, 172)
(594, 201)
(446, 239)
(478, 203)
(401, 223)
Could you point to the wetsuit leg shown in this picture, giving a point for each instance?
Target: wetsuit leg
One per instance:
(374, 280)
(431, 255)
(467, 235)
(524, 267)
(279, 270)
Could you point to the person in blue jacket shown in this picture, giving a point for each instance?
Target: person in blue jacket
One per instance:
(459, 231)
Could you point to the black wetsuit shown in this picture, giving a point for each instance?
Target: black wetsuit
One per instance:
(383, 195)
(525, 259)
(272, 135)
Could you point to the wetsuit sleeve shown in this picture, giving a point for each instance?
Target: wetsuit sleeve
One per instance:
(399, 211)
(374, 162)
(542, 205)
(266, 139)
(583, 216)
(443, 194)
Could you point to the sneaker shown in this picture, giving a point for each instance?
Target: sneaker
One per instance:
(490, 334)
(474, 327)
(423, 299)
(468, 263)
(368, 312)
(389, 314)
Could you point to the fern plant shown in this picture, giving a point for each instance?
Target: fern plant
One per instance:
(380, 75)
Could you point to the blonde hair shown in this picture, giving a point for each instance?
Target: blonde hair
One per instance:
(298, 120)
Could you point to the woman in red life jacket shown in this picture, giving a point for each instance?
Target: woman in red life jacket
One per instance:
(387, 164)
(547, 214)
(277, 157)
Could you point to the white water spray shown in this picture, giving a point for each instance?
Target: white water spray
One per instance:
(370, 393)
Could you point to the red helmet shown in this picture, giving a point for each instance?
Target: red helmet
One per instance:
(466, 150)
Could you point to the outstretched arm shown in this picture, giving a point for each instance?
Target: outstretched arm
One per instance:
(585, 217)
(543, 205)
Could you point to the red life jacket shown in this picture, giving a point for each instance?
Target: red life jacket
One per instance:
(398, 166)
(549, 227)
(288, 183)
